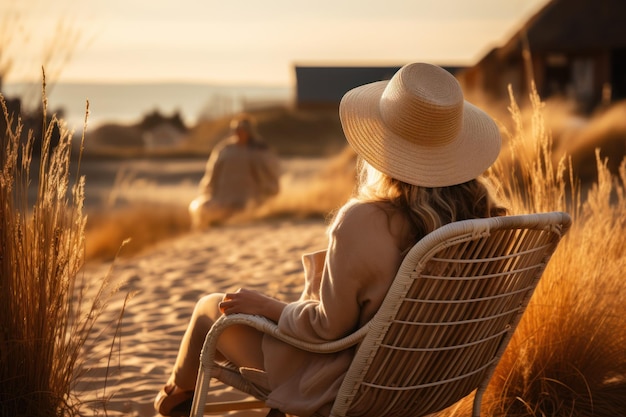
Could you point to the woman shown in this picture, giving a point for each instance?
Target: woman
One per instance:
(422, 149)
(241, 171)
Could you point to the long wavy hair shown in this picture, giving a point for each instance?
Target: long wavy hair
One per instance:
(427, 208)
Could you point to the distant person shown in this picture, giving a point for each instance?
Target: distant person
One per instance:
(241, 171)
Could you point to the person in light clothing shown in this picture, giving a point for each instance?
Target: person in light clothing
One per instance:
(423, 150)
(242, 171)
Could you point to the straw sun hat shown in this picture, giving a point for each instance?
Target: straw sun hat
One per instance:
(417, 128)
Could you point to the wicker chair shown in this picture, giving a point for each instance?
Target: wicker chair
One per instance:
(441, 330)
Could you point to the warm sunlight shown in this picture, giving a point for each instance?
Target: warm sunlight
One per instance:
(248, 41)
(168, 168)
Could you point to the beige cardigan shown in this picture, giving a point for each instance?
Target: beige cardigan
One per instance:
(345, 286)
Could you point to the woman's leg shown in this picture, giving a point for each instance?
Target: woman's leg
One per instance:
(240, 345)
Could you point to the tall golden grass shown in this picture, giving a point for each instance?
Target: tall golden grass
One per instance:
(568, 356)
(48, 312)
(138, 227)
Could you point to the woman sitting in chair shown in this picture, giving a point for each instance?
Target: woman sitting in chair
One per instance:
(422, 149)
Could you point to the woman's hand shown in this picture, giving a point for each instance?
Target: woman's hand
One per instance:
(251, 302)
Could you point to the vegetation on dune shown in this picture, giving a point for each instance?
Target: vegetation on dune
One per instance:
(140, 226)
(567, 357)
(48, 311)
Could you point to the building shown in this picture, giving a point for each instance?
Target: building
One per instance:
(570, 48)
(321, 87)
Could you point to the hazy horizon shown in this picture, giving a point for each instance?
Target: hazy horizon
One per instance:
(125, 102)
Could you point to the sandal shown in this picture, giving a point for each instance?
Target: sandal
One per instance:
(175, 405)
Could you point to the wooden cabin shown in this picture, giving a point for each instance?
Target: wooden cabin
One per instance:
(570, 48)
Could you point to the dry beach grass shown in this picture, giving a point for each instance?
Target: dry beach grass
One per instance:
(49, 312)
(566, 359)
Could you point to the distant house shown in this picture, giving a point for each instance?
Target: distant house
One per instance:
(154, 131)
(163, 136)
(577, 50)
(160, 131)
(321, 87)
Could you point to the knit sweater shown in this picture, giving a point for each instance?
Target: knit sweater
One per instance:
(344, 287)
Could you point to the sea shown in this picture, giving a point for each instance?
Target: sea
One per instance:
(126, 103)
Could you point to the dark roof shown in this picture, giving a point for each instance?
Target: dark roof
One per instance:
(573, 25)
(328, 84)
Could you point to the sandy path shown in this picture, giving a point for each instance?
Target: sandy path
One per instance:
(166, 283)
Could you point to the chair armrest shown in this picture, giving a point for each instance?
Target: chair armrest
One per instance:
(269, 327)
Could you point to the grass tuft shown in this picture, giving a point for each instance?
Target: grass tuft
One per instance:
(48, 311)
(567, 357)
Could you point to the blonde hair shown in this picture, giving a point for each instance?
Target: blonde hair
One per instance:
(428, 208)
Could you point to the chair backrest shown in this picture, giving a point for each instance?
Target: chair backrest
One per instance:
(448, 316)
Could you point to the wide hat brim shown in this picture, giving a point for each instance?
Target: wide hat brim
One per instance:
(474, 149)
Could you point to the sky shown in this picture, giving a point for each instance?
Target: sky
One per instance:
(242, 41)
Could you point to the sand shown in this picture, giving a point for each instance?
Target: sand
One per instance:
(165, 282)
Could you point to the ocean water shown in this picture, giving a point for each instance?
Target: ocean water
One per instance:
(128, 103)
